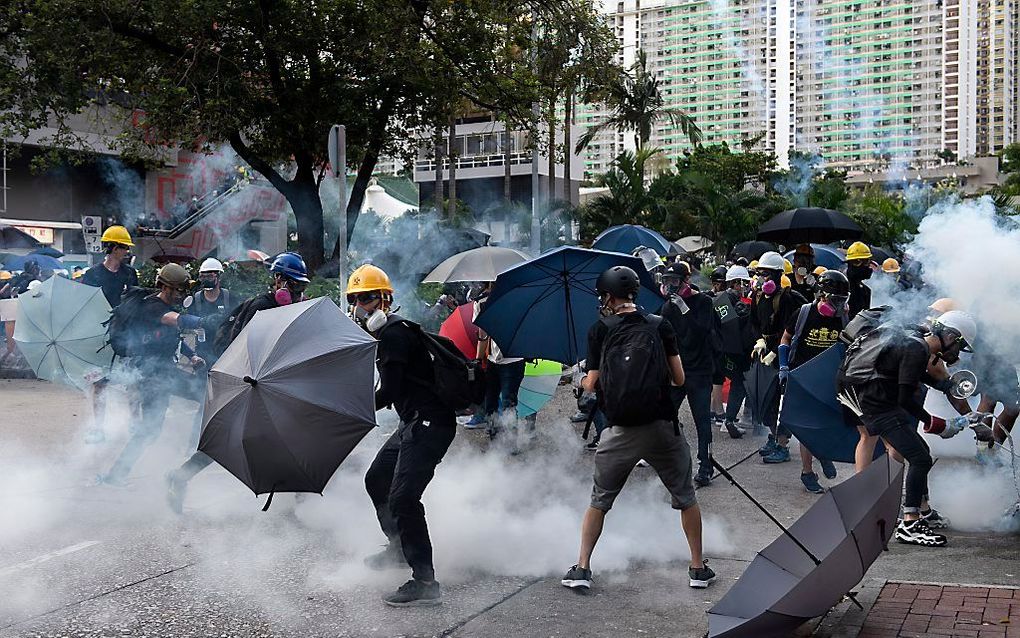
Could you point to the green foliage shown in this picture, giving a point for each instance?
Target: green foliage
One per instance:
(882, 215)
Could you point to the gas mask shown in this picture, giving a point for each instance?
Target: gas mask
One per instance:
(290, 292)
(208, 281)
(831, 305)
(771, 285)
(370, 320)
(858, 273)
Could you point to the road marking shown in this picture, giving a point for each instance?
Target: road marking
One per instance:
(45, 557)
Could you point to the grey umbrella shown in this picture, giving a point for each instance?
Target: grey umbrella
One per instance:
(817, 561)
(477, 264)
(290, 398)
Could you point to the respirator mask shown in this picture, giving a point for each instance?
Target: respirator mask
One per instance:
(370, 320)
(291, 292)
(208, 281)
(830, 305)
(772, 282)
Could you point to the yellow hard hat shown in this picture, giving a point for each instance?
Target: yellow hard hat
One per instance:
(5, 275)
(858, 250)
(753, 264)
(78, 274)
(784, 281)
(787, 267)
(819, 270)
(890, 266)
(367, 278)
(117, 235)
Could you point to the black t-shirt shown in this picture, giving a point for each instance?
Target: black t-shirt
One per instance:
(405, 370)
(817, 336)
(697, 332)
(160, 341)
(903, 361)
(769, 315)
(805, 290)
(860, 299)
(113, 283)
(597, 335)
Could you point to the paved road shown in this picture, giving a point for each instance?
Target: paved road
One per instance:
(78, 560)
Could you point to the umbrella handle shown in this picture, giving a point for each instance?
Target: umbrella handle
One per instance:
(253, 383)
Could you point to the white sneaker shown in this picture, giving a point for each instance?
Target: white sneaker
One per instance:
(918, 533)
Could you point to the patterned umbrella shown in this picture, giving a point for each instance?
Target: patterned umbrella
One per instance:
(538, 387)
(459, 329)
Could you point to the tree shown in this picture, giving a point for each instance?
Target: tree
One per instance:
(270, 78)
(628, 200)
(947, 155)
(636, 101)
(882, 215)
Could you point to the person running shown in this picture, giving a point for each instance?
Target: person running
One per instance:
(858, 270)
(696, 325)
(735, 342)
(290, 278)
(884, 371)
(632, 361)
(154, 328)
(406, 463)
(771, 310)
(813, 330)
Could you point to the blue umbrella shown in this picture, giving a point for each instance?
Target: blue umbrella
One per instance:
(812, 413)
(543, 308)
(45, 262)
(826, 256)
(625, 238)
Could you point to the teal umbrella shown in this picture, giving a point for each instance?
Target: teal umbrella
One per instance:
(60, 331)
(539, 385)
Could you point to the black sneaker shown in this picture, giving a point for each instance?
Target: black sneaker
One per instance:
(828, 468)
(390, 558)
(591, 446)
(577, 577)
(702, 478)
(734, 430)
(415, 593)
(918, 533)
(701, 577)
(811, 484)
(934, 520)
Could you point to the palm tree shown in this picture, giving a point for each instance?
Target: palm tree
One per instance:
(628, 200)
(637, 104)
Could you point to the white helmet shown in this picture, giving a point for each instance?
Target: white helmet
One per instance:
(772, 261)
(737, 272)
(211, 265)
(960, 322)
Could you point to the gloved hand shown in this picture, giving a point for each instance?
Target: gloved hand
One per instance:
(953, 427)
(784, 374)
(759, 349)
(769, 358)
(212, 322)
(188, 322)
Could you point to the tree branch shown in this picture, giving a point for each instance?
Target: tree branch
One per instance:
(259, 164)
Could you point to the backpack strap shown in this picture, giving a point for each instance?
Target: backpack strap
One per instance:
(802, 317)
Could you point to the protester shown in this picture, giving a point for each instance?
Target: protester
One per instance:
(804, 279)
(718, 279)
(814, 329)
(696, 325)
(114, 275)
(632, 358)
(504, 378)
(290, 278)
(858, 270)
(736, 339)
(771, 310)
(19, 284)
(406, 463)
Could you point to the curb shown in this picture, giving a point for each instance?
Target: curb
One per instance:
(845, 619)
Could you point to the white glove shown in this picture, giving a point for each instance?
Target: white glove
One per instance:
(769, 358)
(759, 348)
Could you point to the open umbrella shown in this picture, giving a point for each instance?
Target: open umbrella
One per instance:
(290, 398)
(543, 308)
(477, 264)
(812, 413)
(694, 243)
(817, 561)
(809, 225)
(878, 255)
(49, 251)
(751, 250)
(45, 262)
(11, 237)
(60, 331)
(826, 256)
(762, 383)
(627, 237)
(541, 378)
(459, 329)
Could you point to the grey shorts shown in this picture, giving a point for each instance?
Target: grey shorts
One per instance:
(619, 450)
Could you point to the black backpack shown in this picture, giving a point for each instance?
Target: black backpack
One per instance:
(124, 333)
(459, 382)
(633, 371)
(226, 332)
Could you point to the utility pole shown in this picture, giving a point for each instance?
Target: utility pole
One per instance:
(337, 148)
(536, 222)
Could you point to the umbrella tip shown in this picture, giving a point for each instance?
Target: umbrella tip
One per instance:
(248, 379)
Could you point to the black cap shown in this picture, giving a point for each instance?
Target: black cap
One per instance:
(719, 274)
(677, 269)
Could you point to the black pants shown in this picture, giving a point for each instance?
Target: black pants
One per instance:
(397, 479)
(900, 430)
(697, 389)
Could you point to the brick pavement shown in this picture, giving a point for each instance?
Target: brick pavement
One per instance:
(916, 610)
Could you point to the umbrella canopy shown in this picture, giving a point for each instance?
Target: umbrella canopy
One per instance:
(809, 225)
(257, 255)
(751, 250)
(826, 256)
(290, 398)
(477, 264)
(694, 243)
(49, 251)
(45, 262)
(878, 255)
(812, 413)
(762, 383)
(459, 329)
(60, 331)
(845, 531)
(11, 237)
(538, 387)
(625, 238)
(543, 308)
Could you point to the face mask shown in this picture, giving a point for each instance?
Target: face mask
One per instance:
(686, 291)
(283, 297)
(826, 309)
(858, 273)
(770, 287)
(802, 272)
(208, 283)
(668, 290)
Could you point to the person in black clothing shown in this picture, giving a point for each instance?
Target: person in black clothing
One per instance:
(696, 324)
(30, 273)
(810, 332)
(735, 341)
(154, 369)
(406, 463)
(290, 278)
(718, 279)
(113, 275)
(858, 270)
(771, 309)
(803, 280)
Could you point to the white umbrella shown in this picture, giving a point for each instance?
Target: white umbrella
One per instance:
(694, 243)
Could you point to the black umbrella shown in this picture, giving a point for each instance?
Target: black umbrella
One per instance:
(817, 561)
(290, 398)
(809, 225)
(11, 237)
(878, 254)
(751, 250)
(762, 383)
(49, 251)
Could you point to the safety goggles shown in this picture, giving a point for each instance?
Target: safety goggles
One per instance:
(296, 286)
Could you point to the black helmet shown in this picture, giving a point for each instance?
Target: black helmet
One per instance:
(833, 282)
(679, 269)
(719, 274)
(619, 281)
